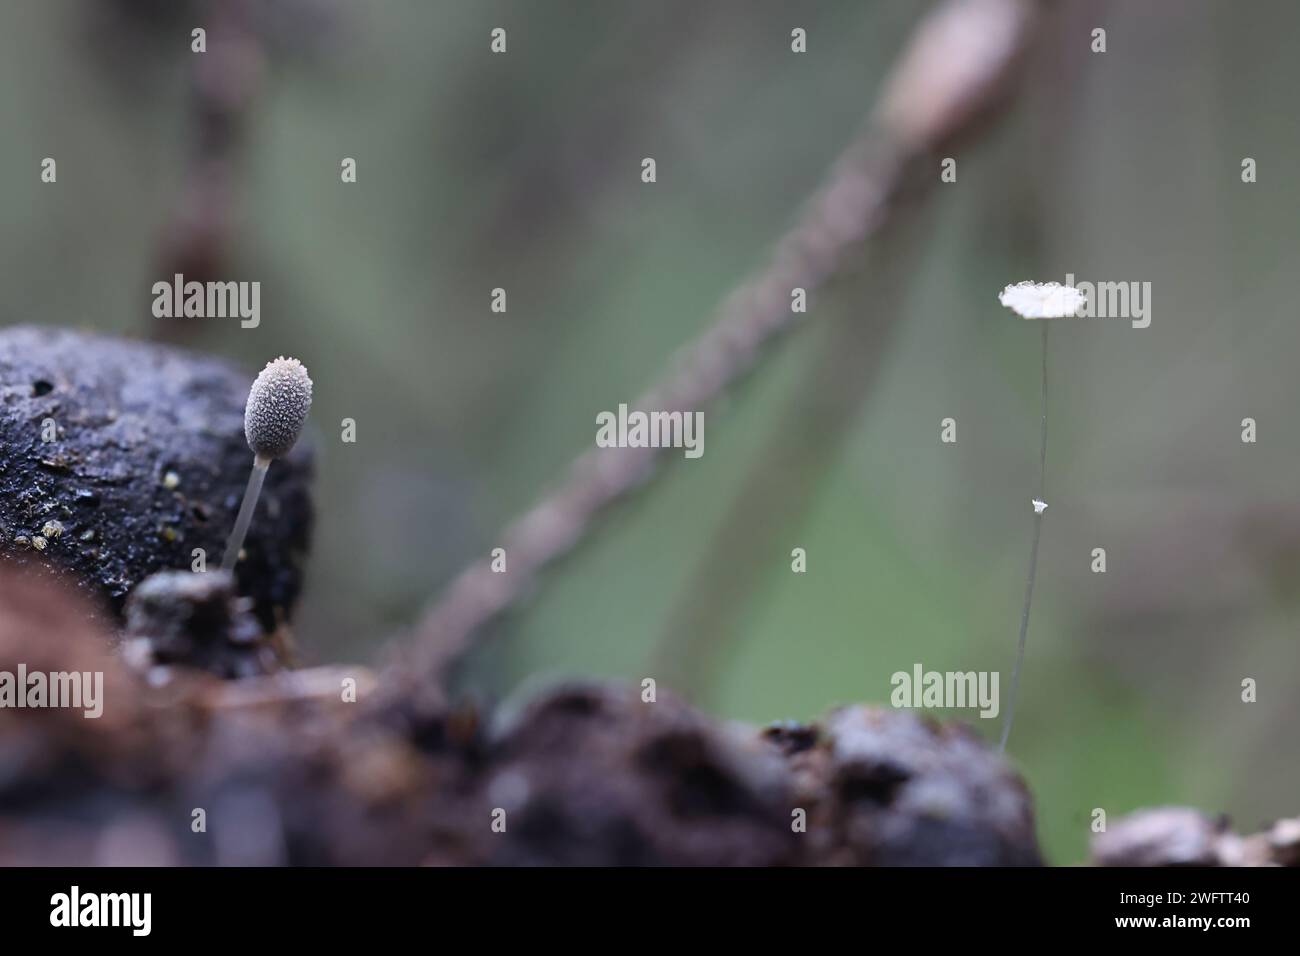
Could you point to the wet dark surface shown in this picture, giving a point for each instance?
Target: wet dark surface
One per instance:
(576, 774)
(290, 769)
(149, 462)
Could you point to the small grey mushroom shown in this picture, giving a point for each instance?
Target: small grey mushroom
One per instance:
(278, 404)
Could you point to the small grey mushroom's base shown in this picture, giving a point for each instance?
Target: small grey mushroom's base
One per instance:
(150, 463)
(182, 619)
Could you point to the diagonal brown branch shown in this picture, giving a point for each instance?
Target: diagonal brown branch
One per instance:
(808, 430)
(953, 75)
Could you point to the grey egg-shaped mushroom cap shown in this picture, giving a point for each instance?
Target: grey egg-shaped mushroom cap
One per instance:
(277, 408)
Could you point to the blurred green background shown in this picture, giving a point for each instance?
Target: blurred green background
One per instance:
(523, 171)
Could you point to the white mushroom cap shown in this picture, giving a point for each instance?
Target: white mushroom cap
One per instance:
(1042, 300)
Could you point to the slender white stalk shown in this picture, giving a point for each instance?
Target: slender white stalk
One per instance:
(1033, 562)
(236, 541)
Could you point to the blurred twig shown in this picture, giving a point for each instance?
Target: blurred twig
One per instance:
(954, 74)
(808, 430)
(200, 237)
(197, 239)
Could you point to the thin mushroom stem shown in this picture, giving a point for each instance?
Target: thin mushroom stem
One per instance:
(254, 490)
(1033, 562)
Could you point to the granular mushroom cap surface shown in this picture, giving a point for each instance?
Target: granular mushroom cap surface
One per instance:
(278, 404)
